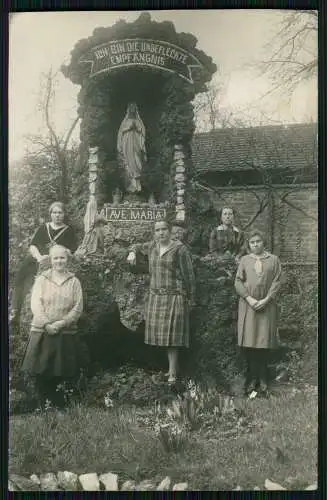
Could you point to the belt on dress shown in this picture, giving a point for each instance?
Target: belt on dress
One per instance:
(167, 291)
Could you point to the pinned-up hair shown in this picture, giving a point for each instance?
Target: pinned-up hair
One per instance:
(229, 208)
(61, 247)
(166, 220)
(55, 204)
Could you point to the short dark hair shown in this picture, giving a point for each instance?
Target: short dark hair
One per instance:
(253, 233)
(166, 220)
(229, 208)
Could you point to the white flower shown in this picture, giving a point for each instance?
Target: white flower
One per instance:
(193, 393)
(170, 412)
(47, 405)
(216, 410)
(108, 401)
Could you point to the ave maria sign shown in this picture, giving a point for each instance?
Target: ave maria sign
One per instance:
(141, 52)
(113, 214)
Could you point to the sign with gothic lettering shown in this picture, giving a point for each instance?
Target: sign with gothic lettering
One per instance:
(128, 214)
(141, 52)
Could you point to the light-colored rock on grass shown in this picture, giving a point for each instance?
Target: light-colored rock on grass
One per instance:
(109, 481)
(12, 487)
(68, 481)
(271, 486)
(35, 479)
(49, 482)
(22, 483)
(146, 485)
(180, 486)
(90, 482)
(165, 484)
(129, 485)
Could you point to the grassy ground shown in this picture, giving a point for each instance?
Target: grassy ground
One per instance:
(85, 439)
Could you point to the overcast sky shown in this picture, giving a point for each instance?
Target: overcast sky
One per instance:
(232, 38)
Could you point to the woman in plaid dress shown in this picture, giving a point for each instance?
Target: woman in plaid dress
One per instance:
(172, 293)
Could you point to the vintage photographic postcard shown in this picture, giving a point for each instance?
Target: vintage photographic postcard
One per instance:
(163, 250)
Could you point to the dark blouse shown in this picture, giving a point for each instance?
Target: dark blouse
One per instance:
(224, 239)
(43, 239)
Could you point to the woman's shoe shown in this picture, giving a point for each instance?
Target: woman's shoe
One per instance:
(249, 387)
(172, 380)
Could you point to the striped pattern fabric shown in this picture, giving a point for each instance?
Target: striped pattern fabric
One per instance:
(172, 286)
(51, 301)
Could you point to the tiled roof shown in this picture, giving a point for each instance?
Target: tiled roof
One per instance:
(293, 147)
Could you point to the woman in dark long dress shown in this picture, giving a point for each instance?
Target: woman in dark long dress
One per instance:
(257, 282)
(55, 231)
(55, 352)
(171, 295)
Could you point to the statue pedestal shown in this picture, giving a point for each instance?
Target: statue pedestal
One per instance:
(133, 198)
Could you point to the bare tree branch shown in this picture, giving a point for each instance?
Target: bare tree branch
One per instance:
(51, 144)
(293, 46)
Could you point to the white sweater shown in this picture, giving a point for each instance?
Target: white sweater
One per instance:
(52, 301)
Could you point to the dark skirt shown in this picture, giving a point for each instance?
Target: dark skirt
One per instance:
(60, 355)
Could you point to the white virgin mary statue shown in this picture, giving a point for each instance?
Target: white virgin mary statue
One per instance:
(131, 148)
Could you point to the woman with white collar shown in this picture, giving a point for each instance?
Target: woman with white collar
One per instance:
(258, 282)
(227, 238)
(172, 293)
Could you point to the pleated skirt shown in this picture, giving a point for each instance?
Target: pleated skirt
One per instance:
(167, 320)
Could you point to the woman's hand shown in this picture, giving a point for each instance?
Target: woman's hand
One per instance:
(51, 329)
(43, 258)
(260, 304)
(44, 263)
(131, 259)
(251, 301)
(55, 327)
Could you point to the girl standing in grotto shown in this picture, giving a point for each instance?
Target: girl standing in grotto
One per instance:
(172, 293)
(258, 282)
